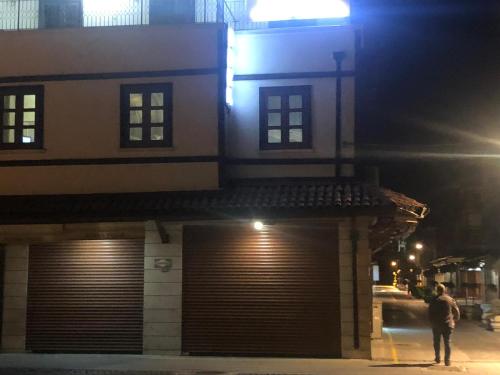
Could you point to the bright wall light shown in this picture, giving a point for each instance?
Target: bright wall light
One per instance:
(231, 61)
(412, 257)
(281, 10)
(419, 246)
(258, 225)
(106, 7)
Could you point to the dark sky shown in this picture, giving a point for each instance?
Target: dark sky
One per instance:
(429, 68)
(430, 82)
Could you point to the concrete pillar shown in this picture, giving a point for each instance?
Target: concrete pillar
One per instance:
(162, 291)
(15, 298)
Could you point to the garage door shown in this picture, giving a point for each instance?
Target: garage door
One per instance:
(269, 293)
(86, 297)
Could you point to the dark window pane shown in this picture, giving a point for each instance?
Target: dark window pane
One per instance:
(157, 133)
(274, 102)
(296, 136)
(274, 136)
(295, 101)
(295, 119)
(273, 119)
(135, 134)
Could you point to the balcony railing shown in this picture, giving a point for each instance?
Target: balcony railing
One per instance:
(26, 14)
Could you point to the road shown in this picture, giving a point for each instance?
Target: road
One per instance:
(407, 336)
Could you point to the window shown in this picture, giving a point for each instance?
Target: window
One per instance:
(285, 117)
(146, 115)
(21, 117)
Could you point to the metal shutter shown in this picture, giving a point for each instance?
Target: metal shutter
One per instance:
(2, 269)
(86, 297)
(268, 293)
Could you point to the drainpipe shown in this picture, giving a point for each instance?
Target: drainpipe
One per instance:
(338, 57)
(355, 301)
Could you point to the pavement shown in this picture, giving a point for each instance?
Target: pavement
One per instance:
(408, 337)
(32, 364)
(406, 347)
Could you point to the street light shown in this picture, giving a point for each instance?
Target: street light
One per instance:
(419, 246)
(412, 257)
(394, 263)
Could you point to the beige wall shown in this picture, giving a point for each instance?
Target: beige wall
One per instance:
(305, 50)
(82, 117)
(88, 179)
(108, 49)
(15, 294)
(82, 120)
(162, 292)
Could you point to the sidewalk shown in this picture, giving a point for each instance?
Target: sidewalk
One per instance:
(470, 343)
(33, 364)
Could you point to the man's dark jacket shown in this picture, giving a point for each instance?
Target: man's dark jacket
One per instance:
(443, 311)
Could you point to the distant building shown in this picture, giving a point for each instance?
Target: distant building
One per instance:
(170, 186)
(467, 251)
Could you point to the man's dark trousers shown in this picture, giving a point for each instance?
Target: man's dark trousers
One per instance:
(446, 332)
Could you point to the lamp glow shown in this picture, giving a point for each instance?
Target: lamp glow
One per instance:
(258, 225)
(394, 263)
(231, 61)
(412, 257)
(280, 10)
(419, 246)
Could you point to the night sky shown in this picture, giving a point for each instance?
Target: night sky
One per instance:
(429, 97)
(429, 79)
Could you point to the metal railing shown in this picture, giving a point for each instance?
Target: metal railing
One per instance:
(25, 14)
(18, 14)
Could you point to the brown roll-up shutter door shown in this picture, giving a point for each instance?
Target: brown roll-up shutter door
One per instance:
(2, 270)
(86, 297)
(268, 293)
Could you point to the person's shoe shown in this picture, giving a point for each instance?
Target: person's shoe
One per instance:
(447, 363)
(437, 360)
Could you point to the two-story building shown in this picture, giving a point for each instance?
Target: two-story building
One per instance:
(177, 177)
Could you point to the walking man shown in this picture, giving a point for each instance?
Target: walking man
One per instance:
(443, 313)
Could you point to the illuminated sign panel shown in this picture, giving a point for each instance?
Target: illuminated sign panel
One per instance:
(231, 60)
(282, 10)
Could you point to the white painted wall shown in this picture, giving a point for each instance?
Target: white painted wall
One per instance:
(293, 50)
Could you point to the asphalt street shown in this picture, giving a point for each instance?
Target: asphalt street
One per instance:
(407, 336)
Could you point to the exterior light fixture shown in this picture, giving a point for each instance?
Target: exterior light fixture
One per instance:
(258, 225)
(394, 263)
(412, 257)
(419, 246)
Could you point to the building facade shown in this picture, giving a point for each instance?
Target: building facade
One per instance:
(171, 186)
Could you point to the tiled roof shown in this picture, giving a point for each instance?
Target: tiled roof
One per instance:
(304, 197)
